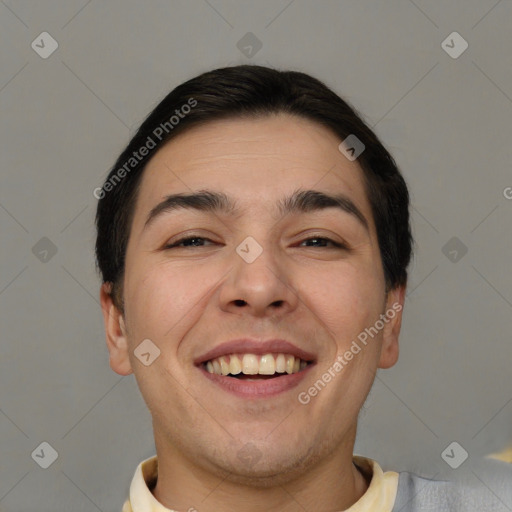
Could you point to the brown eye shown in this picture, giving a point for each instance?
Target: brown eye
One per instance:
(324, 239)
(185, 241)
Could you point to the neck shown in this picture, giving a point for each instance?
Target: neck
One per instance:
(332, 484)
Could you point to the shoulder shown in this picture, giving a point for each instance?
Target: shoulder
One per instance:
(487, 487)
(415, 493)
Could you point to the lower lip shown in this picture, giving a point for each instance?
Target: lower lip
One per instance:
(257, 388)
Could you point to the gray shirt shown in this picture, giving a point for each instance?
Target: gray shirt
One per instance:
(488, 489)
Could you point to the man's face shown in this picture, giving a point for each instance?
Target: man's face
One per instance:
(198, 295)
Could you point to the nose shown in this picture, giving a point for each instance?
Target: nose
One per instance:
(262, 287)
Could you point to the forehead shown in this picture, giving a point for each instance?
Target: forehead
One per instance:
(255, 160)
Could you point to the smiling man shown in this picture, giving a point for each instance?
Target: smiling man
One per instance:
(253, 241)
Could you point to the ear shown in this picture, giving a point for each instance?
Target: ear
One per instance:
(394, 307)
(115, 330)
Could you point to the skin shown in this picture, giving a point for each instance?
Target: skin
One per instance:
(186, 300)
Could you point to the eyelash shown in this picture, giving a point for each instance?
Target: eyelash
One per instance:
(185, 239)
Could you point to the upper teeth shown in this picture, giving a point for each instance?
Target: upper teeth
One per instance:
(251, 364)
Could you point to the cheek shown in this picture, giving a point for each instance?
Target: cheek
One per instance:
(160, 298)
(347, 298)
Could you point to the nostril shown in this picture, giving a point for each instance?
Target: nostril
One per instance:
(240, 302)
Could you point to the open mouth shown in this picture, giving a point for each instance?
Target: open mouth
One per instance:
(255, 367)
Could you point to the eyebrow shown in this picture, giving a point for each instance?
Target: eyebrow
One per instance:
(300, 201)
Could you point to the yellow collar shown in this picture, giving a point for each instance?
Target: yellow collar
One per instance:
(380, 494)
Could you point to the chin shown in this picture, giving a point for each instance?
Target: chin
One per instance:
(265, 466)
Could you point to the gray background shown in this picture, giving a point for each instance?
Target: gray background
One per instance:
(65, 119)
